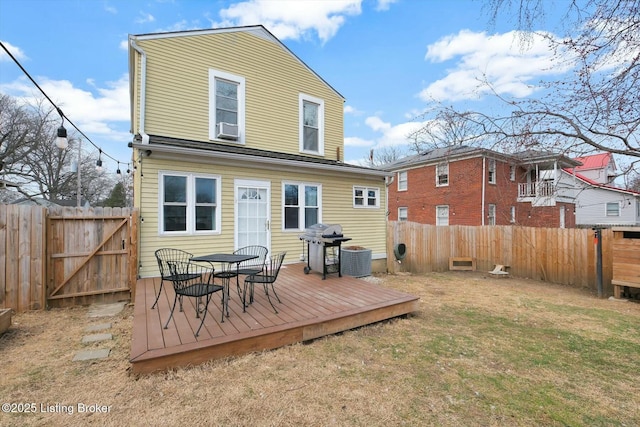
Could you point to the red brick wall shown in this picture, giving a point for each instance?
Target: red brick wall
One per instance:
(463, 195)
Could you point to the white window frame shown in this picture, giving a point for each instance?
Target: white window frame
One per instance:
(221, 75)
(513, 214)
(491, 214)
(402, 181)
(365, 197)
(438, 174)
(492, 171)
(512, 172)
(403, 213)
(617, 209)
(440, 219)
(301, 204)
(190, 203)
(302, 98)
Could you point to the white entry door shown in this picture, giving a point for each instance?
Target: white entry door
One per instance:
(253, 219)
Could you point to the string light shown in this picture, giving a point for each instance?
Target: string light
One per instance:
(61, 141)
(99, 161)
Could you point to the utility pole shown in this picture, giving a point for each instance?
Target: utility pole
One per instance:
(79, 190)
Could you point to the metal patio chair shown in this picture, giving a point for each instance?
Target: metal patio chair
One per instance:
(267, 277)
(195, 281)
(164, 256)
(252, 266)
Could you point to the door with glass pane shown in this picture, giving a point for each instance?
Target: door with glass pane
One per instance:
(253, 220)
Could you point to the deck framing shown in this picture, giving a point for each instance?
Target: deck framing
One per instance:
(311, 308)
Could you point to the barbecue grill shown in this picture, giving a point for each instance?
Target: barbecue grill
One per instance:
(323, 248)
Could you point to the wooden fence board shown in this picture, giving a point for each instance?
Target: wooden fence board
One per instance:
(564, 256)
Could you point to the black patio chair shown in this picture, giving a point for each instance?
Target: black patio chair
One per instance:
(195, 281)
(267, 277)
(164, 256)
(252, 266)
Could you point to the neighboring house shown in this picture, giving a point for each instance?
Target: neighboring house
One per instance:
(238, 142)
(7, 192)
(598, 202)
(463, 185)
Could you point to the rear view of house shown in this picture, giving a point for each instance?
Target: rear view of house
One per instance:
(238, 142)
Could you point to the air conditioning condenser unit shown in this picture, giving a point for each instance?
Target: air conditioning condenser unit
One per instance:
(227, 131)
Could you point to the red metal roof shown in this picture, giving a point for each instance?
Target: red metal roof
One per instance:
(596, 161)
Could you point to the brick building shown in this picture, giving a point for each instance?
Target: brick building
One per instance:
(475, 186)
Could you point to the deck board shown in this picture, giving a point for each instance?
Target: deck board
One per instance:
(311, 308)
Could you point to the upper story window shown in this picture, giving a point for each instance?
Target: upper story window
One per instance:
(189, 203)
(442, 174)
(366, 197)
(613, 209)
(442, 215)
(301, 205)
(492, 214)
(226, 106)
(311, 124)
(492, 171)
(403, 214)
(402, 181)
(512, 173)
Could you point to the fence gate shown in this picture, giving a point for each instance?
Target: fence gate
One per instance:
(91, 255)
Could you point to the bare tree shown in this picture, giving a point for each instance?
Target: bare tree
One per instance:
(31, 159)
(384, 155)
(595, 108)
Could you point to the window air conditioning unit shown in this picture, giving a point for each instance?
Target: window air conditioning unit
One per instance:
(227, 131)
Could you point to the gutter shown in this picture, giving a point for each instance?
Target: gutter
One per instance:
(200, 156)
(484, 180)
(143, 89)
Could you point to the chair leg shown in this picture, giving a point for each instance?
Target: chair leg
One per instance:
(158, 296)
(274, 292)
(266, 291)
(175, 299)
(204, 315)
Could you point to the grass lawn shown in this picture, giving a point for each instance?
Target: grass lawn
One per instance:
(479, 352)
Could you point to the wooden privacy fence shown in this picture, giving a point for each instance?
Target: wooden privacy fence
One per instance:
(565, 256)
(56, 257)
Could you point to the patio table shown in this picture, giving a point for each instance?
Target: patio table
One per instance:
(226, 274)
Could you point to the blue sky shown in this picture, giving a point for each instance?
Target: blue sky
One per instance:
(388, 58)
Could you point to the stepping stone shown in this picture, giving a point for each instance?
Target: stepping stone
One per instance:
(96, 337)
(104, 310)
(97, 327)
(102, 353)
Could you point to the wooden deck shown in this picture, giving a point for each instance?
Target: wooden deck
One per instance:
(310, 308)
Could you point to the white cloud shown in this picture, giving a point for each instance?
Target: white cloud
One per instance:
(348, 109)
(510, 67)
(357, 142)
(392, 135)
(15, 51)
(98, 114)
(292, 19)
(124, 44)
(145, 18)
(384, 4)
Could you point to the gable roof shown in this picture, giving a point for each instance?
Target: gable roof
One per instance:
(595, 161)
(256, 30)
(593, 183)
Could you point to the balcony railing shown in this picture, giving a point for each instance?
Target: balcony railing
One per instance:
(536, 189)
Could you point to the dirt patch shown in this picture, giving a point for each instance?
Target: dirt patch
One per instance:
(480, 351)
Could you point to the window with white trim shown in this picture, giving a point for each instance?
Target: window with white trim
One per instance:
(301, 205)
(492, 215)
(402, 181)
(311, 112)
(613, 209)
(513, 214)
(512, 173)
(442, 174)
(226, 105)
(189, 203)
(366, 197)
(442, 215)
(492, 171)
(403, 214)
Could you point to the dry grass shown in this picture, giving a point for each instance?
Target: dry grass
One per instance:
(479, 352)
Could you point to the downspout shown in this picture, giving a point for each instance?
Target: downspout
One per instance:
(143, 90)
(484, 179)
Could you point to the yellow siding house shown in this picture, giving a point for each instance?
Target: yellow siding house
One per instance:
(238, 142)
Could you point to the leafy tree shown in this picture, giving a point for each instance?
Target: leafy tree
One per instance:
(593, 108)
(118, 196)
